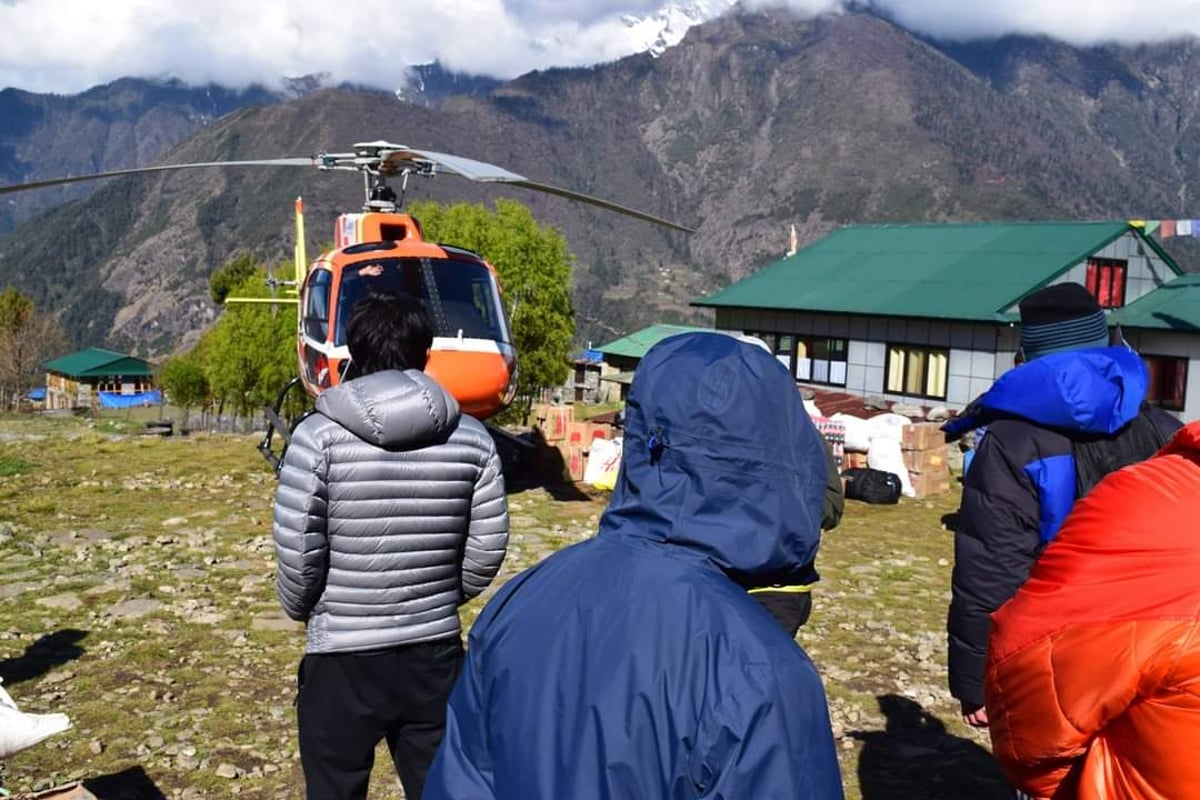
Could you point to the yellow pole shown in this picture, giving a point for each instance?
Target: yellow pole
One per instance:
(301, 261)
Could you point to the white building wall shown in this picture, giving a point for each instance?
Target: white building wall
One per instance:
(1145, 270)
(978, 352)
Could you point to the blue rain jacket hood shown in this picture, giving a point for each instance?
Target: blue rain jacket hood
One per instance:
(720, 458)
(1092, 391)
(630, 665)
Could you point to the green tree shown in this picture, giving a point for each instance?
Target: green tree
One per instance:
(15, 310)
(185, 382)
(232, 274)
(27, 338)
(534, 267)
(251, 352)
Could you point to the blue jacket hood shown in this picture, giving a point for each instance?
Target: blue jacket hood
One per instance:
(1098, 390)
(720, 459)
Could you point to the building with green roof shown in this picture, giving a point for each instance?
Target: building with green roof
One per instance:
(927, 313)
(626, 352)
(81, 379)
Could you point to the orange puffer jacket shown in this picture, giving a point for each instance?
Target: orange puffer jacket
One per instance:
(1093, 676)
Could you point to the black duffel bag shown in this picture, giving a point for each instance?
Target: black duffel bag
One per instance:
(872, 486)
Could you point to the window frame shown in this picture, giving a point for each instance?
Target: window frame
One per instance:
(928, 351)
(1097, 269)
(1151, 388)
(834, 355)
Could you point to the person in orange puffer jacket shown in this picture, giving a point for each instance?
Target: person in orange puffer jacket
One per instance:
(1093, 672)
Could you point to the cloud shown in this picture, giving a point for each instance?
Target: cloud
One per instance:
(1080, 22)
(69, 45)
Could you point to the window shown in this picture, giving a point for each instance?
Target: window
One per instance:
(781, 345)
(1168, 381)
(821, 361)
(809, 359)
(1106, 281)
(917, 371)
(316, 305)
(459, 295)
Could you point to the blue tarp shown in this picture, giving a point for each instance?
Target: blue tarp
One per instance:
(590, 356)
(36, 394)
(116, 400)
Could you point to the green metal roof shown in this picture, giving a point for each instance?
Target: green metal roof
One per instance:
(97, 363)
(1172, 306)
(635, 345)
(952, 271)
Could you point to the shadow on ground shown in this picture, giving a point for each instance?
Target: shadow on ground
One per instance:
(916, 758)
(48, 652)
(129, 784)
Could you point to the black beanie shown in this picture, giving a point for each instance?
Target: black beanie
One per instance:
(1064, 316)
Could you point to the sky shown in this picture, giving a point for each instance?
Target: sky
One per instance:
(67, 46)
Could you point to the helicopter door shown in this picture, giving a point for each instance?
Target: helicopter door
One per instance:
(314, 326)
(316, 305)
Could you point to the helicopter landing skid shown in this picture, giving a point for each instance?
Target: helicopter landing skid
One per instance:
(275, 424)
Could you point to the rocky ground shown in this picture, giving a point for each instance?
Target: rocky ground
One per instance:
(137, 596)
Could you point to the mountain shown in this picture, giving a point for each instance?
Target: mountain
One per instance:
(432, 84)
(126, 123)
(752, 123)
(654, 33)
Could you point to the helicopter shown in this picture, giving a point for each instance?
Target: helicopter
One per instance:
(383, 249)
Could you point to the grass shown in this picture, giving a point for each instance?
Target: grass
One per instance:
(201, 674)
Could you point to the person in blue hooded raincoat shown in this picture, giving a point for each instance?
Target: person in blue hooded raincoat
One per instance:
(1070, 411)
(635, 664)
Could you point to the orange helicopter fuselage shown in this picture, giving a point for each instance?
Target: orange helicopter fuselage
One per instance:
(472, 354)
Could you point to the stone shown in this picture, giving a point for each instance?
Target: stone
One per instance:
(59, 676)
(228, 771)
(938, 414)
(276, 623)
(116, 585)
(68, 601)
(133, 608)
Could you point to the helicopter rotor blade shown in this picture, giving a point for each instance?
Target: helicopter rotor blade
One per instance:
(388, 159)
(269, 162)
(483, 172)
(605, 204)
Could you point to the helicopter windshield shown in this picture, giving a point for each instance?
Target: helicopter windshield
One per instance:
(460, 296)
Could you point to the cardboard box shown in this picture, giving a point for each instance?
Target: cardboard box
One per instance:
(854, 460)
(922, 436)
(576, 461)
(555, 426)
(928, 484)
(579, 433)
(931, 461)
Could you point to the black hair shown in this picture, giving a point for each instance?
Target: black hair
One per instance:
(388, 331)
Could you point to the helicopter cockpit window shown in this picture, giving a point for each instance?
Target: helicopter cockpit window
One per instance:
(316, 306)
(460, 296)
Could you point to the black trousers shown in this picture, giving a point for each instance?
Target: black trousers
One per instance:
(792, 609)
(348, 702)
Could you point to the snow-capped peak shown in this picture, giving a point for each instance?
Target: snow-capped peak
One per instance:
(666, 27)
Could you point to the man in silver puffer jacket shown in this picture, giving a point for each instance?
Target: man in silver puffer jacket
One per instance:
(390, 513)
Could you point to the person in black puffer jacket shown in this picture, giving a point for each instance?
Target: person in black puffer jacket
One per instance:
(1073, 408)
